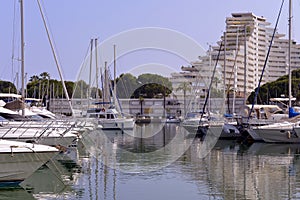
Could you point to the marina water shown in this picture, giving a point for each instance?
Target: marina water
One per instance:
(143, 164)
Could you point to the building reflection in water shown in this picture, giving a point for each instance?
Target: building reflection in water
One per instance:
(261, 171)
(229, 171)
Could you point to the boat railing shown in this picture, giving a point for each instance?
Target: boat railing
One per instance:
(6, 133)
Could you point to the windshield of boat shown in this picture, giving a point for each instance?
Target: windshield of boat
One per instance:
(2, 119)
(193, 114)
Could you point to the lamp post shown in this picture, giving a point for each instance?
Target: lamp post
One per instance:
(164, 96)
(141, 99)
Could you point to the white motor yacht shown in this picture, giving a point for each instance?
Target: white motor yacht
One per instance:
(111, 119)
(18, 160)
(283, 132)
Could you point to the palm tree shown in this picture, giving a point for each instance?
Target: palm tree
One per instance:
(184, 86)
(33, 78)
(45, 75)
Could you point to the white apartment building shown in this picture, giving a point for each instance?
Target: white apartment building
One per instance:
(245, 45)
(193, 83)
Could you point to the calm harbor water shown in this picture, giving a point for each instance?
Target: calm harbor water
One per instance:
(143, 164)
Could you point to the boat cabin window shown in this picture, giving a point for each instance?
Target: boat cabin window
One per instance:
(102, 116)
(93, 116)
(91, 111)
(110, 116)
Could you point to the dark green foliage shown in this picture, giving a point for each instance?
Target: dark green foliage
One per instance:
(41, 86)
(128, 86)
(278, 88)
(146, 85)
(7, 87)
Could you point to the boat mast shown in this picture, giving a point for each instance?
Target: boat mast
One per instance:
(235, 72)
(97, 72)
(90, 74)
(289, 52)
(245, 64)
(115, 81)
(224, 69)
(55, 57)
(22, 58)
(106, 83)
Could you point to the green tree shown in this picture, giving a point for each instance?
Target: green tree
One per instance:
(7, 87)
(34, 78)
(45, 75)
(277, 89)
(153, 85)
(40, 86)
(126, 85)
(80, 90)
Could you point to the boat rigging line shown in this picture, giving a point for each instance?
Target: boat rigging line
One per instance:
(265, 64)
(211, 81)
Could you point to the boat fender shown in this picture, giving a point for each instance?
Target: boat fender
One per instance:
(61, 148)
(288, 134)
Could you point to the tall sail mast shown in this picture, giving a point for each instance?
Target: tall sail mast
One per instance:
(22, 57)
(115, 81)
(245, 64)
(224, 69)
(106, 83)
(97, 70)
(289, 52)
(90, 74)
(55, 57)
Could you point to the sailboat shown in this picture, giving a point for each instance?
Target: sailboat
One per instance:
(286, 131)
(53, 132)
(105, 112)
(204, 123)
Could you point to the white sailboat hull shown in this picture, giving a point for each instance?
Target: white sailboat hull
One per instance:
(117, 124)
(35, 135)
(214, 128)
(278, 133)
(19, 160)
(229, 131)
(21, 165)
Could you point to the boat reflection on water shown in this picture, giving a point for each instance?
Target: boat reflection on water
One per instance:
(15, 193)
(228, 171)
(146, 148)
(53, 180)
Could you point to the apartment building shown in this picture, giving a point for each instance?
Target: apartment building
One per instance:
(242, 56)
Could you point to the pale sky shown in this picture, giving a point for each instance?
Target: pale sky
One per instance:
(74, 22)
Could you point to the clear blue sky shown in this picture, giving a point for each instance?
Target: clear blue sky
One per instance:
(74, 22)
